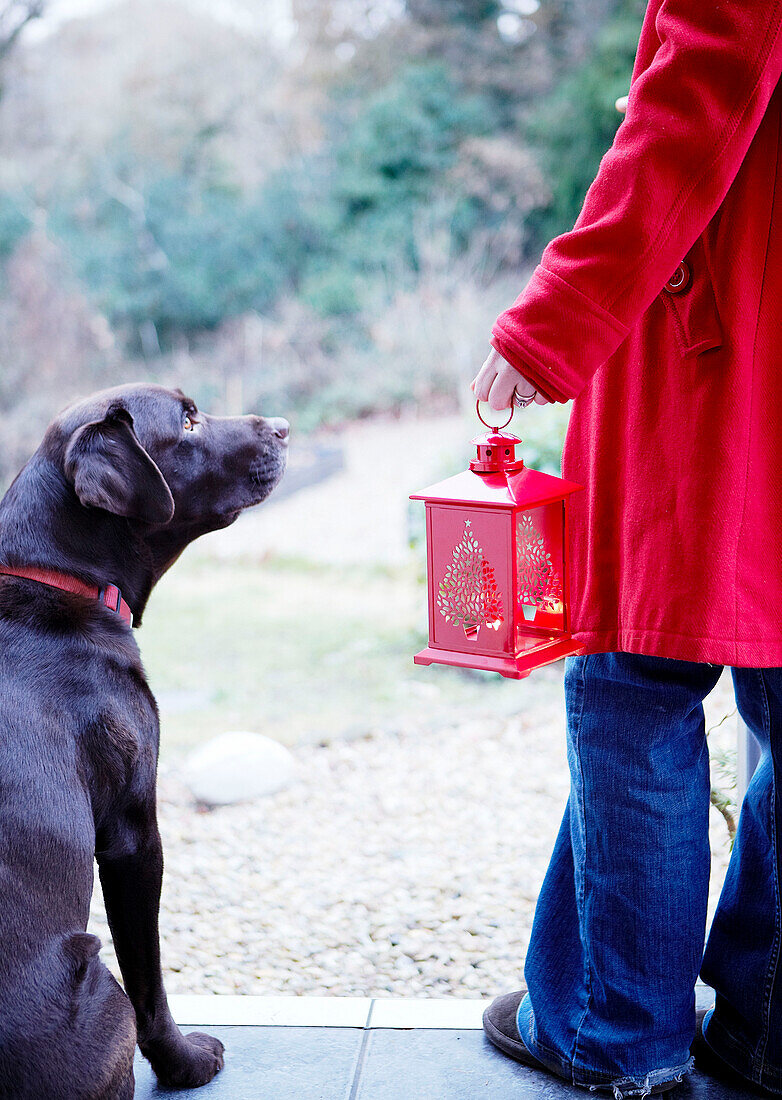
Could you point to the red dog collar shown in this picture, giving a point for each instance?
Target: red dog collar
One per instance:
(110, 595)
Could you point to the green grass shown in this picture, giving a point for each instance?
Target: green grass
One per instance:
(299, 653)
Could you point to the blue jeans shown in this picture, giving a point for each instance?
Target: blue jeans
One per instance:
(617, 940)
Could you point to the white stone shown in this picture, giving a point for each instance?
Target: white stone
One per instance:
(238, 767)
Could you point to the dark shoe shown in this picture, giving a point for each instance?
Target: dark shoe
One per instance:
(710, 1063)
(499, 1025)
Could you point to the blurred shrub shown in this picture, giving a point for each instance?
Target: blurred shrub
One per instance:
(175, 254)
(500, 184)
(470, 12)
(400, 146)
(14, 224)
(168, 255)
(573, 128)
(54, 347)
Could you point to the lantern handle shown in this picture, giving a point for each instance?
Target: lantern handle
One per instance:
(493, 428)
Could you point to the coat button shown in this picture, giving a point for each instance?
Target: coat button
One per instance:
(680, 279)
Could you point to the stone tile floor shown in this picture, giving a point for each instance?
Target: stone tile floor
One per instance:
(325, 1048)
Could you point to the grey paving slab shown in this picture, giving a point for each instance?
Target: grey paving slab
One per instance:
(454, 1065)
(278, 1063)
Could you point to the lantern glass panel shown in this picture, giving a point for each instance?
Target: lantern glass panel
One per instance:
(540, 572)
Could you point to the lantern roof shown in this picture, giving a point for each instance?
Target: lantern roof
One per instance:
(523, 488)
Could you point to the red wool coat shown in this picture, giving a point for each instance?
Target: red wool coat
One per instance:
(675, 370)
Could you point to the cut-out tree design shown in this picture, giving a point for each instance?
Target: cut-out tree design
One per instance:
(468, 595)
(539, 585)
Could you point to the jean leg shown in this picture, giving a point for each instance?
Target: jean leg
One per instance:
(619, 926)
(742, 959)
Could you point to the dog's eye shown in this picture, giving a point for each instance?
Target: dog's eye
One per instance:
(189, 423)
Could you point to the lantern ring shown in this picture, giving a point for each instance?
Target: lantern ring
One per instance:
(493, 427)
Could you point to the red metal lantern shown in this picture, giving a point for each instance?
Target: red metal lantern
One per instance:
(496, 538)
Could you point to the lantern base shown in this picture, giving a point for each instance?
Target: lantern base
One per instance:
(515, 668)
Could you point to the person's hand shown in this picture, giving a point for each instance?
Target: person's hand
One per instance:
(496, 381)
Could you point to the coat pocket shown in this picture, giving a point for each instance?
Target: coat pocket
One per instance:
(689, 299)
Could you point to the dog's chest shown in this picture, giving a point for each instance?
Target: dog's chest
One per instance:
(117, 731)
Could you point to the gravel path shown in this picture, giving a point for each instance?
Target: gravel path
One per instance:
(396, 864)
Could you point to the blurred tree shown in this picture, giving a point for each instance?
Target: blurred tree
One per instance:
(161, 77)
(14, 17)
(405, 136)
(510, 51)
(514, 62)
(500, 183)
(395, 155)
(169, 254)
(14, 224)
(54, 345)
(573, 127)
(470, 12)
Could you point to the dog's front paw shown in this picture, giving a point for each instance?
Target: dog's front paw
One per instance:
(195, 1061)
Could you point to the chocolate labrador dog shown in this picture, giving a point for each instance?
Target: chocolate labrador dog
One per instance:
(120, 485)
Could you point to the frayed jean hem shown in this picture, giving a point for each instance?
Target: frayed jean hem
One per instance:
(630, 1086)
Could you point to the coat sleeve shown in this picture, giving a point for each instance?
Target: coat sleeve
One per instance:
(691, 116)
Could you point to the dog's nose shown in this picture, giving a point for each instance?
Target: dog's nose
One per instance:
(280, 427)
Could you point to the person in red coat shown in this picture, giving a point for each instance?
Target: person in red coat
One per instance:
(658, 316)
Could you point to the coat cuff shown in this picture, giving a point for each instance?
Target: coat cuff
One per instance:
(555, 336)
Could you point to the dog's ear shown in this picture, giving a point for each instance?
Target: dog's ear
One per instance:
(109, 469)
(80, 948)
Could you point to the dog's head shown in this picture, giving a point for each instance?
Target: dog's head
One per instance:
(147, 453)
(125, 479)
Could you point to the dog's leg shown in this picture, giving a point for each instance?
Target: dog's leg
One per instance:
(131, 874)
